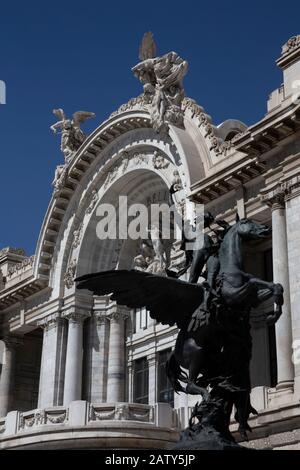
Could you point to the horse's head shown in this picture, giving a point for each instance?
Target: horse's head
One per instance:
(250, 230)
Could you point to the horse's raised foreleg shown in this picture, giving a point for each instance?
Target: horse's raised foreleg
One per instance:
(266, 291)
(276, 289)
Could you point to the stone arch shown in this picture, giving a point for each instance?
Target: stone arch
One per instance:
(95, 254)
(94, 162)
(143, 178)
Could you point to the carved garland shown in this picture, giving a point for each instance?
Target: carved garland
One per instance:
(122, 412)
(219, 146)
(40, 417)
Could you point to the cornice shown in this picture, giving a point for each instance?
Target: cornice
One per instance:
(21, 290)
(269, 132)
(227, 179)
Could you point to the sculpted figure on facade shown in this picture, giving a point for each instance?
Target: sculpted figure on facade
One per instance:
(72, 135)
(93, 202)
(70, 273)
(176, 183)
(159, 161)
(159, 249)
(142, 261)
(152, 257)
(77, 236)
(162, 81)
(291, 44)
(60, 177)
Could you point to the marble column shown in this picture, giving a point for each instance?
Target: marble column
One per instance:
(285, 368)
(74, 356)
(152, 387)
(116, 357)
(96, 358)
(52, 372)
(7, 377)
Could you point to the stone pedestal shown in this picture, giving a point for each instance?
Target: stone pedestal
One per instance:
(116, 356)
(52, 373)
(73, 374)
(285, 367)
(7, 376)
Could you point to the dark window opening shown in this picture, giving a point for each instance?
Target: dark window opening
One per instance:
(141, 381)
(231, 135)
(165, 390)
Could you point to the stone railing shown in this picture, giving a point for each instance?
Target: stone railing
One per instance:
(48, 416)
(82, 413)
(122, 411)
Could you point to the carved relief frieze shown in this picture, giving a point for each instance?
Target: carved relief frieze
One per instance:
(70, 273)
(93, 202)
(77, 236)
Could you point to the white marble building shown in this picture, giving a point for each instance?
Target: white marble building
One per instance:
(79, 371)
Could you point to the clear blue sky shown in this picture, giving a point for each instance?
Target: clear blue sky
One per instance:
(78, 54)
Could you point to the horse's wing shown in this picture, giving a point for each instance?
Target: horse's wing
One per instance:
(169, 300)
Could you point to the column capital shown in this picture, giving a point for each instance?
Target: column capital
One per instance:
(50, 321)
(275, 198)
(75, 315)
(100, 317)
(118, 313)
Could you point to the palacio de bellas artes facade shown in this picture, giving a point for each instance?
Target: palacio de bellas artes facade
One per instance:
(79, 371)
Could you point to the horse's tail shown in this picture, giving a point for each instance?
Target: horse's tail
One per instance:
(175, 373)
